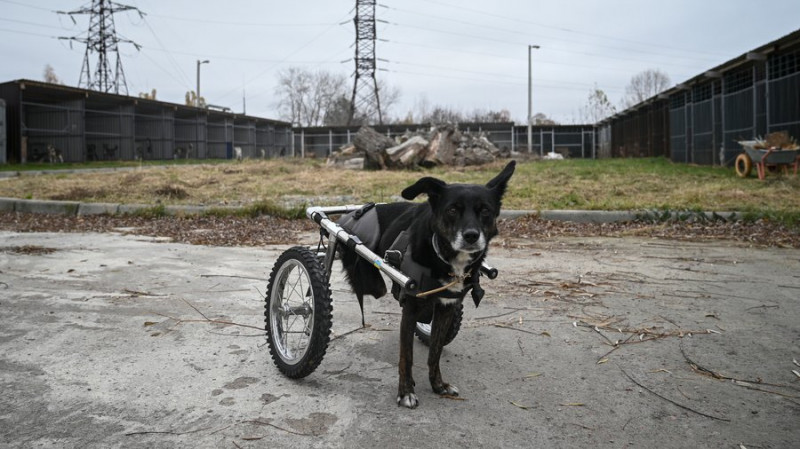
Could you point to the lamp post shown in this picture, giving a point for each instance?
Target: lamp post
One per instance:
(530, 88)
(205, 61)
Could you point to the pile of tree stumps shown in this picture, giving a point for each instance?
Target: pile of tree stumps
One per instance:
(442, 145)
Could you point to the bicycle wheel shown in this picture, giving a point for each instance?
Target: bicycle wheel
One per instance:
(423, 330)
(298, 312)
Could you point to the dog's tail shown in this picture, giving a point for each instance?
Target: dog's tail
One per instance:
(364, 278)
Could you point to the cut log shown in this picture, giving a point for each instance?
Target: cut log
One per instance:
(443, 144)
(408, 154)
(374, 145)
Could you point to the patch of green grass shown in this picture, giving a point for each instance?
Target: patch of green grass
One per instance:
(260, 208)
(603, 184)
(157, 211)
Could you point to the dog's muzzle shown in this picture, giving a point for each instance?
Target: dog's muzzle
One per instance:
(470, 241)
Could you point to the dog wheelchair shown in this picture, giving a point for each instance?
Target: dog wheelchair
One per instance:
(298, 309)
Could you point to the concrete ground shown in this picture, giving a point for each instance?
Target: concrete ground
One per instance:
(115, 341)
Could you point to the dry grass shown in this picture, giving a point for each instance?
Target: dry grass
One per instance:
(616, 184)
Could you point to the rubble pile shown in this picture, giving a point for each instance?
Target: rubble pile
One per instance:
(442, 145)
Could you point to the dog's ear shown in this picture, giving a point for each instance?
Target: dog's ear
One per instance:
(499, 183)
(431, 186)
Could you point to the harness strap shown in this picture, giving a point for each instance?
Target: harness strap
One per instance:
(400, 251)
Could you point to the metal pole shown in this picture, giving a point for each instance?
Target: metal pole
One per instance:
(530, 102)
(197, 100)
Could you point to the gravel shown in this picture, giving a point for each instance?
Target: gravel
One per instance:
(266, 230)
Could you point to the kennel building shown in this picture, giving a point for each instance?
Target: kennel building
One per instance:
(86, 125)
(700, 120)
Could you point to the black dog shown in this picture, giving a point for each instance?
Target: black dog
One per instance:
(442, 243)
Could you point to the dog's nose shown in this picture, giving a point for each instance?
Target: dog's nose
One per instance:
(471, 235)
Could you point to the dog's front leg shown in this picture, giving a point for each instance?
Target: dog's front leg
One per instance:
(405, 390)
(442, 322)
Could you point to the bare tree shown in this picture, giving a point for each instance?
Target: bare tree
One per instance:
(541, 119)
(309, 98)
(50, 75)
(645, 85)
(489, 116)
(389, 96)
(597, 107)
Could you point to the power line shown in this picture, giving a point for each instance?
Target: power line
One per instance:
(23, 22)
(26, 5)
(246, 24)
(539, 61)
(285, 59)
(567, 30)
(27, 33)
(528, 35)
(521, 44)
(494, 76)
(225, 57)
(495, 81)
(171, 59)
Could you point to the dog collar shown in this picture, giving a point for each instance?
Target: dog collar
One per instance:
(435, 243)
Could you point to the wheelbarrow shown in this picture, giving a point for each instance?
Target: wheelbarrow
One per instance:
(764, 159)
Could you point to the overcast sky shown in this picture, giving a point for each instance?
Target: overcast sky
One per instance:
(464, 54)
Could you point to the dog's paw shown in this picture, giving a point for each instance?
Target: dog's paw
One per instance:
(409, 400)
(446, 390)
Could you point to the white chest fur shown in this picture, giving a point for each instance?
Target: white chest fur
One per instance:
(459, 266)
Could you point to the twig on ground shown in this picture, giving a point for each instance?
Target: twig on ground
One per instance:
(677, 404)
(616, 346)
(206, 319)
(195, 309)
(505, 326)
(171, 432)
(138, 293)
(498, 316)
(763, 306)
(367, 328)
(669, 321)
(264, 423)
(746, 383)
(230, 276)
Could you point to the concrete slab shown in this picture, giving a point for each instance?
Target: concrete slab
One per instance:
(7, 204)
(133, 208)
(98, 208)
(47, 207)
(588, 216)
(110, 341)
(184, 210)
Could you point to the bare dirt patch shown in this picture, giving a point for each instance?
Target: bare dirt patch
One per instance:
(172, 191)
(262, 230)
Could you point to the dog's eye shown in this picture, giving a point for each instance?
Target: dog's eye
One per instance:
(485, 212)
(452, 212)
